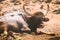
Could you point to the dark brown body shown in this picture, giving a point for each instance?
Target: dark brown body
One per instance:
(36, 20)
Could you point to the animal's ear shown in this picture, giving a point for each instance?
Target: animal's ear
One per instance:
(45, 19)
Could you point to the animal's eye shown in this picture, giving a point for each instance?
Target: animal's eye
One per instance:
(12, 15)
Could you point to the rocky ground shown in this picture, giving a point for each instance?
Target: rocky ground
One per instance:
(51, 9)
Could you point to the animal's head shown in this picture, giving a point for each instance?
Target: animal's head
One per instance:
(36, 20)
(40, 15)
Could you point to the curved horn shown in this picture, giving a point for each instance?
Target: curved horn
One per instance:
(47, 8)
(25, 10)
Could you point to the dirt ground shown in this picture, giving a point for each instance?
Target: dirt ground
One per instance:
(51, 27)
(41, 37)
(33, 37)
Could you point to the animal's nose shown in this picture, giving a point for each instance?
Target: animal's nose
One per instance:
(46, 19)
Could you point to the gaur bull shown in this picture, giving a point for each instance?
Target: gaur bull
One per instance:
(35, 20)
